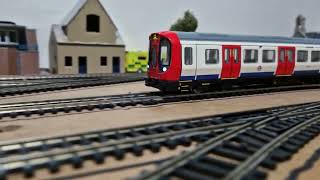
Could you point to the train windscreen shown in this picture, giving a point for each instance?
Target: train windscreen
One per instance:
(165, 55)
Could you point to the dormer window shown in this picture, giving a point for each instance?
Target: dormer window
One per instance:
(93, 23)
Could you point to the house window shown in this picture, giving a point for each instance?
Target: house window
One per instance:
(103, 61)
(212, 56)
(93, 23)
(68, 61)
(250, 56)
(188, 59)
(315, 56)
(2, 36)
(268, 56)
(302, 56)
(13, 36)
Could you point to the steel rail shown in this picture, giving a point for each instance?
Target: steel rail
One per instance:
(168, 167)
(252, 162)
(88, 151)
(149, 99)
(3, 78)
(159, 126)
(28, 163)
(54, 102)
(65, 84)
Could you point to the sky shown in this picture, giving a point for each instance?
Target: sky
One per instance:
(136, 19)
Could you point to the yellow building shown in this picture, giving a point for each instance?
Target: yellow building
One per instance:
(87, 41)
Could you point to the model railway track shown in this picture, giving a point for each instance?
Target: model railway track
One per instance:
(247, 152)
(109, 102)
(49, 77)
(44, 85)
(30, 155)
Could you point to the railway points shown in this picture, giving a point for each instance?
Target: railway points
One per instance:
(237, 154)
(28, 156)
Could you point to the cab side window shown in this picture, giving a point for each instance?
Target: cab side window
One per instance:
(188, 56)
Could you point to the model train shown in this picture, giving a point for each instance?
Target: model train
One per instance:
(190, 61)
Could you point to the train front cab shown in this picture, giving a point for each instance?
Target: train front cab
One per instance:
(164, 66)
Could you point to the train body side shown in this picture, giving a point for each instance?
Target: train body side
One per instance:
(205, 60)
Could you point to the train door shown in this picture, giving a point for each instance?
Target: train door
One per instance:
(189, 62)
(231, 62)
(153, 70)
(286, 61)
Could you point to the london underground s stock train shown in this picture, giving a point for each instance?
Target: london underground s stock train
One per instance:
(190, 61)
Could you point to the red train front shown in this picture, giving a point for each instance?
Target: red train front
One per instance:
(164, 61)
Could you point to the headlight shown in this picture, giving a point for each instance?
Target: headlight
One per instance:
(164, 69)
(148, 66)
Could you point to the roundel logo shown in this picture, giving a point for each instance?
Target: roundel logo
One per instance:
(259, 68)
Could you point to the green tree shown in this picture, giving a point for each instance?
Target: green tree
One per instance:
(188, 23)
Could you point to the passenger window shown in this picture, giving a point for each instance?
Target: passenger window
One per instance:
(315, 56)
(302, 56)
(268, 56)
(226, 55)
(188, 59)
(290, 55)
(212, 56)
(282, 55)
(250, 56)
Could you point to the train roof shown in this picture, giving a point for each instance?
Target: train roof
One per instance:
(194, 36)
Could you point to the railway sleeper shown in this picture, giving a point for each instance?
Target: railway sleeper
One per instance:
(280, 155)
(188, 174)
(230, 153)
(211, 170)
(248, 140)
(239, 147)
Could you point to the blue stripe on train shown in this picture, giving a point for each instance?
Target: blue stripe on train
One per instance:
(200, 77)
(250, 75)
(306, 73)
(256, 75)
